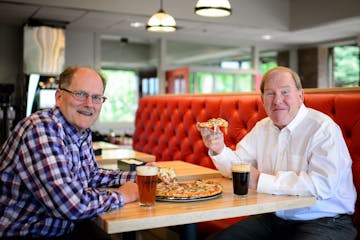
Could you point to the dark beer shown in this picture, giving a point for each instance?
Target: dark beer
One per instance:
(146, 180)
(240, 176)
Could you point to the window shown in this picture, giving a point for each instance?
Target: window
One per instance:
(224, 82)
(206, 82)
(244, 83)
(202, 82)
(149, 86)
(118, 112)
(345, 66)
(231, 74)
(267, 65)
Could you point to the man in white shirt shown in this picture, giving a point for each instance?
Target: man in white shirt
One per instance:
(294, 151)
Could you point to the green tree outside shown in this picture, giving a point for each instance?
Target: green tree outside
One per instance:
(346, 66)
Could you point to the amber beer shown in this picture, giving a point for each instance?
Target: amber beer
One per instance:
(240, 176)
(147, 180)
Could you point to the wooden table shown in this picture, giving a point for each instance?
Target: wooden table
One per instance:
(105, 145)
(187, 171)
(109, 157)
(132, 217)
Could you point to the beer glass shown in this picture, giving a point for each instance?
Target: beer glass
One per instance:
(146, 180)
(240, 175)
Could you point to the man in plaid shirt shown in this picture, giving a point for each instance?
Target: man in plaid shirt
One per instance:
(49, 179)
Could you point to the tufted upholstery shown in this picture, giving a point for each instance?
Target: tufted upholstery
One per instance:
(165, 124)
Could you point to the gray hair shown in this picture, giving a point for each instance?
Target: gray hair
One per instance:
(270, 72)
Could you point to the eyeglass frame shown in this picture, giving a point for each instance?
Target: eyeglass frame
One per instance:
(83, 96)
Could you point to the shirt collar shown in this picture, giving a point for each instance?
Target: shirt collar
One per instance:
(69, 129)
(298, 118)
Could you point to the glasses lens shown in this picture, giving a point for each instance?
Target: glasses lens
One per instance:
(81, 95)
(97, 99)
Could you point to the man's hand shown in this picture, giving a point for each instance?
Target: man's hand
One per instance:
(213, 139)
(129, 191)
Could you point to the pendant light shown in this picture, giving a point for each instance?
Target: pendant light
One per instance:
(213, 8)
(161, 21)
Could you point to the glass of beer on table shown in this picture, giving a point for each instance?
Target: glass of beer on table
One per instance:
(240, 175)
(146, 180)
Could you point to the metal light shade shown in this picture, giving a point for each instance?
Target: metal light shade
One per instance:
(161, 22)
(213, 8)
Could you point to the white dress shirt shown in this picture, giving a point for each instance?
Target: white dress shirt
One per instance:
(307, 157)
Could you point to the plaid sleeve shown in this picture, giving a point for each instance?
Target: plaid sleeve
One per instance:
(55, 174)
(111, 178)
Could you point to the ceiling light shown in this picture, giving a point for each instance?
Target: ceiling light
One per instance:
(213, 8)
(137, 24)
(161, 22)
(266, 37)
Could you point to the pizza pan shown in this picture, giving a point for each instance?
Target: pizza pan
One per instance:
(183, 199)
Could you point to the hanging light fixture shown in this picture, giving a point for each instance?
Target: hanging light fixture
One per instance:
(161, 21)
(213, 8)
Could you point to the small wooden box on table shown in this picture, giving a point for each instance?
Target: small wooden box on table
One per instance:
(111, 154)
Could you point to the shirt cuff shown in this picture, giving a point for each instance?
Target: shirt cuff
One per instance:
(222, 162)
(265, 183)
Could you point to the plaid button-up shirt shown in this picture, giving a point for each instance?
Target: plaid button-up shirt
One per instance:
(49, 178)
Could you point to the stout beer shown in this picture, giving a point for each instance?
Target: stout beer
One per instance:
(146, 180)
(240, 176)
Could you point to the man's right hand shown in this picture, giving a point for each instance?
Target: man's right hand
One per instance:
(214, 140)
(129, 191)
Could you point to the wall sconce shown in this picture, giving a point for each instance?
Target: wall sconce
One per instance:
(213, 8)
(161, 21)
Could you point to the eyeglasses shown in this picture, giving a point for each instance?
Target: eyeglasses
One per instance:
(82, 96)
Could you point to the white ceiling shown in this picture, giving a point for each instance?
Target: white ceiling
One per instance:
(199, 40)
(290, 22)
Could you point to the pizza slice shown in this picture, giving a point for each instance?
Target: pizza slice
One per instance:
(214, 123)
(167, 175)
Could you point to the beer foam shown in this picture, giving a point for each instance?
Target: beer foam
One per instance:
(241, 168)
(146, 170)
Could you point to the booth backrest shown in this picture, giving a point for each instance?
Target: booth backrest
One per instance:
(165, 125)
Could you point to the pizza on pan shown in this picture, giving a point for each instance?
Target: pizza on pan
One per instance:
(189, 190)
(168, 187)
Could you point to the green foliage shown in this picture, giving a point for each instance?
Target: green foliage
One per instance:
(265, 66)
(191, 83)
(219, 82)
(122, 93)
(244, 83)
(204, 83)
(224, 82)
(346, 66)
